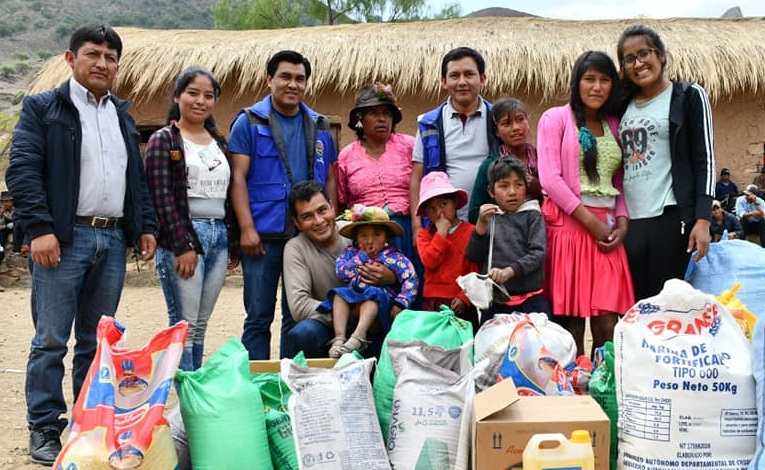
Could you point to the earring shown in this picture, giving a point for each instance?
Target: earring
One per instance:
(359, 125)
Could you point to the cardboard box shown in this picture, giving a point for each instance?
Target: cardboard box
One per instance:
(503, 423)
(275, 365)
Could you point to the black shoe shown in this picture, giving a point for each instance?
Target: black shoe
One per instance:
(44, 445)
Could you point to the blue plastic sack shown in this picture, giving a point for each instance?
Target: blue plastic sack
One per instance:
(729, 262)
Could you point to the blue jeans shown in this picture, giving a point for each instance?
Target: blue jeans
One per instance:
(310, 336)
(85, 285)
(193, 299)
(261, 280)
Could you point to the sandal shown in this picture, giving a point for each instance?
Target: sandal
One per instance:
(355, 343)
(337, 347)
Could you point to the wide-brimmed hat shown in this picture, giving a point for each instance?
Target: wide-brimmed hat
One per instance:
(751, 189)
(360, 215)
(6, 196)
(436, 183)
(371, 95)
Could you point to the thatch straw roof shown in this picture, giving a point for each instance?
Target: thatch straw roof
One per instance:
(523, 55)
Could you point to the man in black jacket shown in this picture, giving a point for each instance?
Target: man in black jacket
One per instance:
(81, 197)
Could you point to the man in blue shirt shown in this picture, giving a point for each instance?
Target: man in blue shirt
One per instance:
(751, 210)
(275, 143)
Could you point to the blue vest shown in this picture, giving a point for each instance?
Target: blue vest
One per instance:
(269, 179)
(431, 127)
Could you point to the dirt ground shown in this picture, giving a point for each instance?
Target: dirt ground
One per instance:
(142, 311)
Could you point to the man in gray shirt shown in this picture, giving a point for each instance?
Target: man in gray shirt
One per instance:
(81, 199)
(309, 269)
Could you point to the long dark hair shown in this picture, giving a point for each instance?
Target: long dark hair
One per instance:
(654, 40)
(600, 62)
(183, 80)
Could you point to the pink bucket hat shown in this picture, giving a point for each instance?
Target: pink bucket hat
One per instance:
(435, 184)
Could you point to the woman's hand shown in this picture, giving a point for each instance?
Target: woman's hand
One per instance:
(615, 238)
(186, 264)
(699, 238)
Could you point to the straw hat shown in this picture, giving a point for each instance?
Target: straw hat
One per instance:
(360, 215)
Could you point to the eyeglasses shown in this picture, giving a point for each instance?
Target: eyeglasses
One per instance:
(642, 55)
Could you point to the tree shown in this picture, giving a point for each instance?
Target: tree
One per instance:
(256, 14)
(389, 11)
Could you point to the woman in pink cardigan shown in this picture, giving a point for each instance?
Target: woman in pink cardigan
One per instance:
(580, 169)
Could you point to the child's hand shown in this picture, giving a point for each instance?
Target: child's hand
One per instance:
(394, 311)
(501, 276)
(443, 225)
(484, 217)
(458, 306)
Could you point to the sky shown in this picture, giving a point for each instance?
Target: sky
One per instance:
(606, 9)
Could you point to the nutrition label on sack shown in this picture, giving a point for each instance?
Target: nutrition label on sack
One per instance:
(647, 417)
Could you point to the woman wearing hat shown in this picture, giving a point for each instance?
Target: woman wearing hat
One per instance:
(375, 169)
(371, 231)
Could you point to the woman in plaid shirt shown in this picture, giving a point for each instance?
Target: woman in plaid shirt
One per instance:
(189, 178)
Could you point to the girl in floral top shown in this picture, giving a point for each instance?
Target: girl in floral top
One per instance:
(371, 230)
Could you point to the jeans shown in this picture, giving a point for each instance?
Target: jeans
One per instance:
(261, 280)
(85, 285)
(312, 337)
(193, 299)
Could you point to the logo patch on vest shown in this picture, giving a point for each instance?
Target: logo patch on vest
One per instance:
(319, 151)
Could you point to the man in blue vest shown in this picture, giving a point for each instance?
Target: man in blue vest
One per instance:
(456, 136)
(275, 143)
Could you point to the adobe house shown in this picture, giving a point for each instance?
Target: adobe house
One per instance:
(529, 58)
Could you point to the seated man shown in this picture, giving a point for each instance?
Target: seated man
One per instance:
(722, 221)
(759, 181)
(309, 271)
(750, 209)
(725, 187)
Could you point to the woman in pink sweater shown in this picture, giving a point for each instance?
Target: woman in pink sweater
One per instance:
(580, 169)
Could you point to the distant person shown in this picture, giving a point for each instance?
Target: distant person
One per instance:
(274, 144)
(81, 197)
(669, 164)
(750, 209)
(6, 221)
(722, 222)
(759, 181)
(189, 173)
(455, 137)
(725, 188)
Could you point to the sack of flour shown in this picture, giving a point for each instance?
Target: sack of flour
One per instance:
(684, 384)
(432, 402)
(334, 423)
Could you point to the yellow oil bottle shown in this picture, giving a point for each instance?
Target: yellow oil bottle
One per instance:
(556, 452)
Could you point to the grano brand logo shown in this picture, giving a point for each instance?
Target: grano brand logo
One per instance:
(673, 322)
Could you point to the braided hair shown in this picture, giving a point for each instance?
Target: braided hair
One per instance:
(600, 62)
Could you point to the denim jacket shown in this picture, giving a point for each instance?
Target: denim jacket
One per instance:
(44, 170)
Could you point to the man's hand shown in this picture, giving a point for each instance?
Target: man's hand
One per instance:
(46, 251)
(250, 243)
(148, 246)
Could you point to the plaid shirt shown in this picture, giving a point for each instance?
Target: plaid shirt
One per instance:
(166, 172)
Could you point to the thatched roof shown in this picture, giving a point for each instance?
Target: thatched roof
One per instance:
(523, 55)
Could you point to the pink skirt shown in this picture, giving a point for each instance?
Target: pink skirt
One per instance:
(581, 280)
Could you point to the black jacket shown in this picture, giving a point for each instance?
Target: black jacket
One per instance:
(691, 142)
(44, 170)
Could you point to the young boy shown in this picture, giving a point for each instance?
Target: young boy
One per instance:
(519, 240)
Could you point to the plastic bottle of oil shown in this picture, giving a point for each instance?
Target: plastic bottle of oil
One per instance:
(554, 451)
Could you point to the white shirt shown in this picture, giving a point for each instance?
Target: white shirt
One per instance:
(207, 178)
(103, 159)
(466, 148)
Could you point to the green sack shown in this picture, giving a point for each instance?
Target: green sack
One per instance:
(275, 395)
(223, 412)
(436, 329)
(603, 390)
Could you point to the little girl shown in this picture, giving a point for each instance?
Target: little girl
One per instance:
(442, 246)
(519, 241)
(371, 230)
